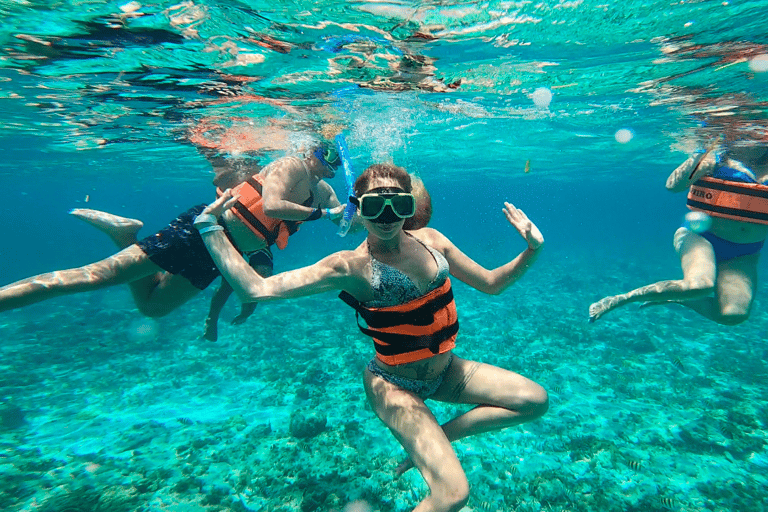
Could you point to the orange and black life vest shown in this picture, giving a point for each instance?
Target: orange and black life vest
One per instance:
(413, 331)
(736, 200)
(250, 210)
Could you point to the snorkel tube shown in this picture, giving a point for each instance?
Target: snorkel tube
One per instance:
(349, 176)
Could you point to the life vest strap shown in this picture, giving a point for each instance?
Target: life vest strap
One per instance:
(242, 209)
(427, 322)
(255, 223)
(734, 213)
(735, 187)
(396, 342)
(422, 315)
(747, 202)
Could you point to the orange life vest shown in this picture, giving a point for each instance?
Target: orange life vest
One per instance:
(413, 331)
(250, 210)
(746, 202)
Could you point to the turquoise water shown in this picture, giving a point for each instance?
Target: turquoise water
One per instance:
(102, 105)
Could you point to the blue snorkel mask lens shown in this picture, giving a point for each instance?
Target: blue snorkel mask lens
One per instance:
(328, 157)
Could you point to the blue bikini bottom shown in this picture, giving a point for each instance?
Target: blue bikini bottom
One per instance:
(725, 250)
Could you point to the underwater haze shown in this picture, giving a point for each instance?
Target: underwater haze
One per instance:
(574, 111)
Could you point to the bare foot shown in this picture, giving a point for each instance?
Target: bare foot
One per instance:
(403, 467)
(603, 306)
(211, 332)
(121, 230)
(246, 310)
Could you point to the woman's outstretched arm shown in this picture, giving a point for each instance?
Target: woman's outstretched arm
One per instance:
(333, 272)
(499, 279)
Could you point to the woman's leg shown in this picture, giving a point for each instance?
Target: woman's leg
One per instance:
(734, 293)
(506, 398)
(697, 260)
(417, 429)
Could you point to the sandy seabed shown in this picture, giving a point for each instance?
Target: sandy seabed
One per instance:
(651, 409)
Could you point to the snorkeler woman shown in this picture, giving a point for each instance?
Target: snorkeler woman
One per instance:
(398, 281)
(719, 257)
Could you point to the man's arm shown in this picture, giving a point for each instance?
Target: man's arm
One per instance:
(281, 179)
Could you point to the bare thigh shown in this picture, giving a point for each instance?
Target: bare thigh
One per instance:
(124, 267)
(157, 292)
(417, 429)
(471, 382)
(170, 292)
(697, 258)
(736, 284)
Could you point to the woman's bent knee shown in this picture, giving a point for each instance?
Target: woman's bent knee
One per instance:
(454, 498)
(536, 402)
(703, 284)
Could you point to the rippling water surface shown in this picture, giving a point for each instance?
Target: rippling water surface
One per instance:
(575, 110)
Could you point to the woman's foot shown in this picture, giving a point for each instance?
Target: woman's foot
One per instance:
(603, 306)
(121, 230)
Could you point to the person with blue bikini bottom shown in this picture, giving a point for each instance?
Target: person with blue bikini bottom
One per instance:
(398, 282)
(719, 261)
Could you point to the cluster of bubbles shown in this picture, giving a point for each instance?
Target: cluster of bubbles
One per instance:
(542, 97)
(624, 135)
(698, 222)
(358, 506)
(143, 330)
(759, 63)
(386, 136)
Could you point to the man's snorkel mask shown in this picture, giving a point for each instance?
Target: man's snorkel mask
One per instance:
(328, 156)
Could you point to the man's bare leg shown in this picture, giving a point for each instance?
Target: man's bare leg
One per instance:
(121, 230)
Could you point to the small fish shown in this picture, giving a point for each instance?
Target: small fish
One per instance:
(185, 421)
(485, 506)
(527, 166)
(726, 430)
(513, 470)
(87, 198)
(667, 503)
(634, 465)
(678, 364)
(557, 389)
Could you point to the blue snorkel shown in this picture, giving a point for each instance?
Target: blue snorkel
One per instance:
(349, 175)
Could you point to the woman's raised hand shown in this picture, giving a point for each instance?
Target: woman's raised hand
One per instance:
(524, 226)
